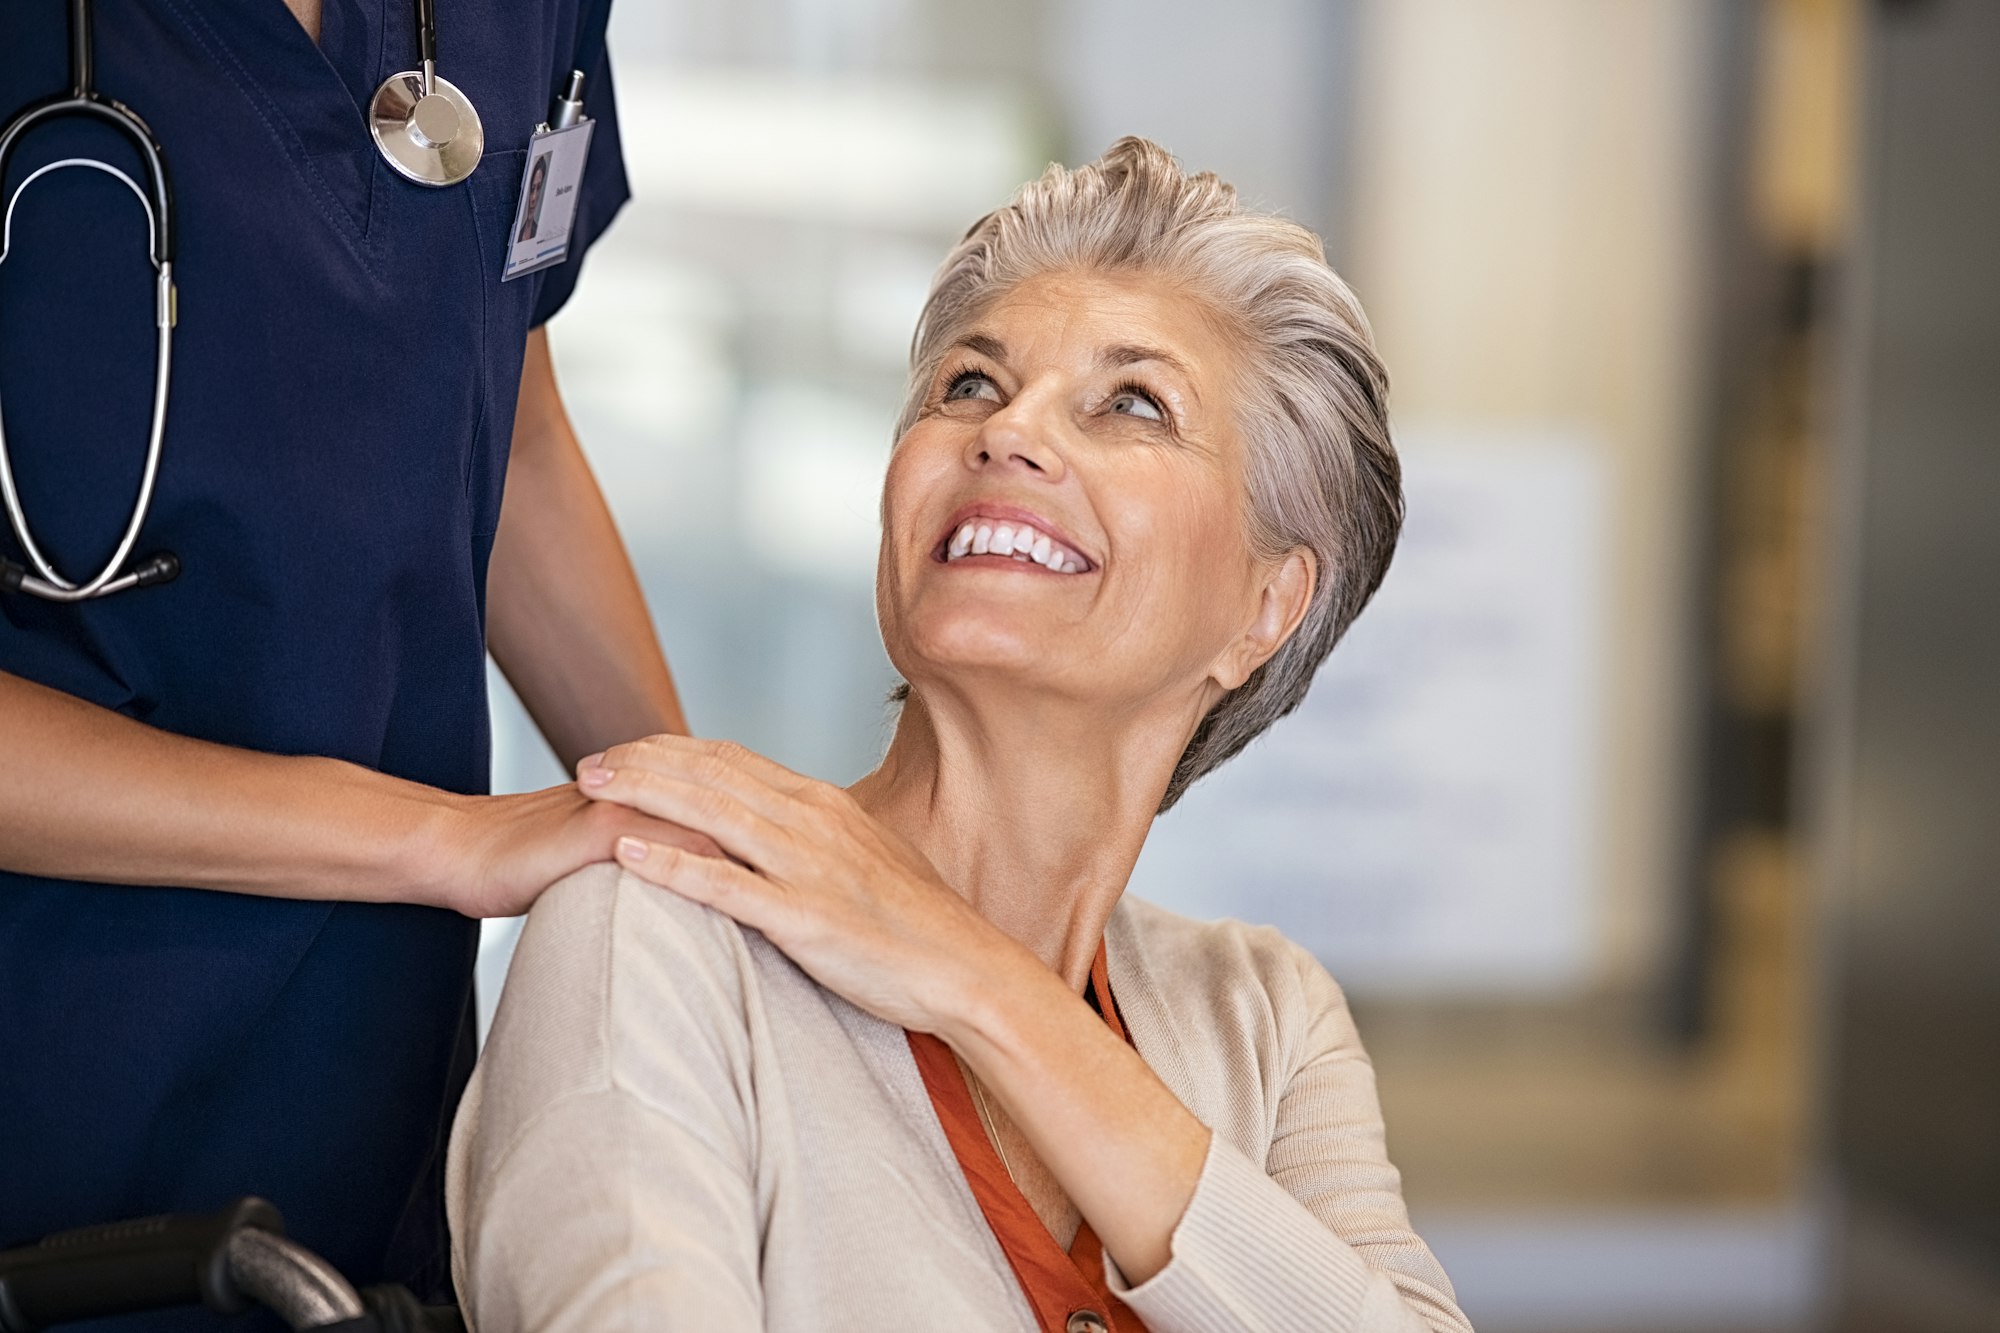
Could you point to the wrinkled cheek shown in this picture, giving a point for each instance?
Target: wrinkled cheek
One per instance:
(905, 485)
(891, 579)
(895, 490)
(1195, 600)
(1161, 629)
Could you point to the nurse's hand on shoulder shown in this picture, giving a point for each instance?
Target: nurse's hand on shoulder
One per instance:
(848, 900)
(500, 852)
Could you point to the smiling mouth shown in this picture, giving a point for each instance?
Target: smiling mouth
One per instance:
(1010, 540)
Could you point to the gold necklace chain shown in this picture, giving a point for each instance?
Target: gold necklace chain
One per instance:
(986, 1119)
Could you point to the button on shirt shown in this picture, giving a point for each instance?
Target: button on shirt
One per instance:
(346, 366)
(1067, 1290)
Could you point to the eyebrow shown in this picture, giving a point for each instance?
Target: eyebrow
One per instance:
(1127, 354)
(1111, 358)
(985, 344)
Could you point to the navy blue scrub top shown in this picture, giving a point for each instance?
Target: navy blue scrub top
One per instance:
(346, 367)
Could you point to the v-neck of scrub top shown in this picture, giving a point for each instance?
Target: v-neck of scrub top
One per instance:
(1066, 1289)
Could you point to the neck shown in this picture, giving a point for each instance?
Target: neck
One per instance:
(307, 12)
(1035, 812)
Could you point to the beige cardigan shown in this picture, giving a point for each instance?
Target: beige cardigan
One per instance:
(673, 1128)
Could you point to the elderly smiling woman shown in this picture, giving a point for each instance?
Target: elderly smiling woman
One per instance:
(908, 1057)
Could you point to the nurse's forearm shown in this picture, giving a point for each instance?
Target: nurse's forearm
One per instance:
(88, 794)
(565, 618)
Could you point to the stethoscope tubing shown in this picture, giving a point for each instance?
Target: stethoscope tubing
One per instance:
(83, 101)
(50, 584)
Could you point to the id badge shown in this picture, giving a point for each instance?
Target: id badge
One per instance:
(540, 235)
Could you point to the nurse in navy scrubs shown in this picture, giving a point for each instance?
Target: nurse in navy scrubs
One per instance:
(243, 835)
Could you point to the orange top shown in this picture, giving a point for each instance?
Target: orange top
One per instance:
(1067, 1291)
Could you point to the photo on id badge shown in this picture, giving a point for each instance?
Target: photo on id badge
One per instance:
(542, 218)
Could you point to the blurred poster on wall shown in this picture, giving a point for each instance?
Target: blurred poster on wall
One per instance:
(1427, 820)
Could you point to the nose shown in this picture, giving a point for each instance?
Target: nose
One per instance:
(1023, 435)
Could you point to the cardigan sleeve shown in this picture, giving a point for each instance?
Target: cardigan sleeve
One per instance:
(602, 1170)
(562, 1242)
(1316, 1240)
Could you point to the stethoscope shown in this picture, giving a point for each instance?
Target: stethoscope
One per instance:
(425, 128)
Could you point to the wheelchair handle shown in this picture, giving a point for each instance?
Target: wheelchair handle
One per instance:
(225, 1261)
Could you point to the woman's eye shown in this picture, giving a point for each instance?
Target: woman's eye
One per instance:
(1132, 403)
(970, 385)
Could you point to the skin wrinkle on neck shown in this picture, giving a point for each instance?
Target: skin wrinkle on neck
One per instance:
(1019, 812)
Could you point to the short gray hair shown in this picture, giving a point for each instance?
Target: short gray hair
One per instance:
(1322, 471)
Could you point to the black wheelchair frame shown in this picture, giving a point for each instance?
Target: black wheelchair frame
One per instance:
(228, 1261)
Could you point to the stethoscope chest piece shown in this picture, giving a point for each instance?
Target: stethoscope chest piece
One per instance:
(431, 136)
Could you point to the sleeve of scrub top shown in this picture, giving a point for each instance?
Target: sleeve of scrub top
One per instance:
(1316, 1240)
(552, 1236)
(604, 189)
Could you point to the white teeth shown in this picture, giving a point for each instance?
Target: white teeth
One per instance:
(1017, 541)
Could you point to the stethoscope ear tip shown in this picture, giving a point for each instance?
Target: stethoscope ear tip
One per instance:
(160, 567)
(163, 567)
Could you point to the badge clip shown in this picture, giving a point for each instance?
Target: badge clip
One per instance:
(543, 218)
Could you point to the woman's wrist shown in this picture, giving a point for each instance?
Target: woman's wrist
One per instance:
(991, 1000)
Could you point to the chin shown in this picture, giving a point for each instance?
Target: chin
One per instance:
(972, 637)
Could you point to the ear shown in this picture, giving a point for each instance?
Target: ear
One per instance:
(1282, 598)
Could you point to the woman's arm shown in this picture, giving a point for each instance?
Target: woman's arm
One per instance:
(92, 795)
(868, 919)
(609, 1216)
(1314, 1234)
(600, 1178)
(565, 618)
(1124, 1149)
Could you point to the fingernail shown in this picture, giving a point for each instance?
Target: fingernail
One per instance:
(595, 777)
(590, 761)
(631, 849)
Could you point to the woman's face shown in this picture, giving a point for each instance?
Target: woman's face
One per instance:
(1067, 512)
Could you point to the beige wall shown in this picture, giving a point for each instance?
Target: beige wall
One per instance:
(1522, 223)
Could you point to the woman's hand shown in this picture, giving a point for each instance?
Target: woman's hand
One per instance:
(849, 901)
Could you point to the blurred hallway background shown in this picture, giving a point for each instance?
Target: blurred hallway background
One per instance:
(1649, 815)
